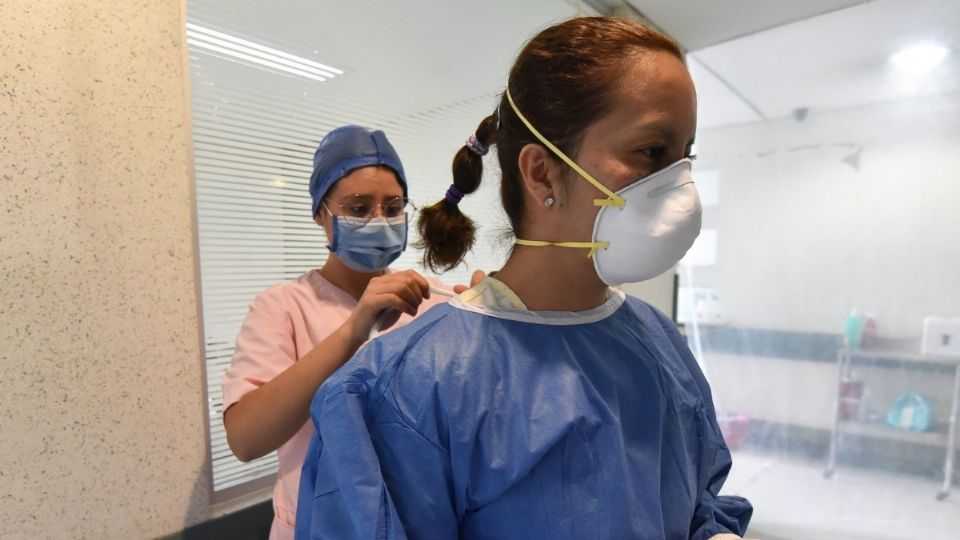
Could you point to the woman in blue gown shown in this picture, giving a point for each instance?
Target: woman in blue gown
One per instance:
(543, 403)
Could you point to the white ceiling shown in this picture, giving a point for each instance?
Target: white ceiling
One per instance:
(764, 58)
(411, 56)
(835, 60)
(701, 23)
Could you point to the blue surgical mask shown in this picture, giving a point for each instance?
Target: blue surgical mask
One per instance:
(368, 245)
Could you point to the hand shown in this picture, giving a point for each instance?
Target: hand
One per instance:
(398, 293)
(475, 279)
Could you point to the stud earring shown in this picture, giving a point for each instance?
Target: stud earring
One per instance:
(548, 202)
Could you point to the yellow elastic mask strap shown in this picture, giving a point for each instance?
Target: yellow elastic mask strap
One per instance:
(612, 198)
(594, 247)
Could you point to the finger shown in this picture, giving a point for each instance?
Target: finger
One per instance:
(477, 277)
(459, 288)
(408, 277)
(398, 296)
(409, 291)
(376, 299)
(400, 304)
(420, 282)
(406, 290)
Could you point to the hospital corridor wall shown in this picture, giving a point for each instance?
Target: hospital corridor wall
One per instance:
(103, 401)
(818, 215)
(858, 210)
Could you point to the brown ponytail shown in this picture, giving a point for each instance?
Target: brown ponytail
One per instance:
(446, 233)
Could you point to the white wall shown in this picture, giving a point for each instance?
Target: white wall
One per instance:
(103, 419)
(804, 236)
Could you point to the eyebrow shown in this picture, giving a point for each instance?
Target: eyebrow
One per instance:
(662, 130)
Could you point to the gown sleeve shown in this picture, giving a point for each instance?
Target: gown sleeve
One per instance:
(717, 514)
(369, 474)
(714, 513)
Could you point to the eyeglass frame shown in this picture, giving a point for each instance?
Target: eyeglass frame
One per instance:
(374, 206)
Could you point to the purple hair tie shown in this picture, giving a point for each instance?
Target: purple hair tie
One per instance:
(454, 195)
(476, 146)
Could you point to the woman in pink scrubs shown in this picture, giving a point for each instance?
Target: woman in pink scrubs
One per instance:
(297, 333)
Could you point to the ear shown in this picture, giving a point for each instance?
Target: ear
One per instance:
(324, 220)
(539, 171)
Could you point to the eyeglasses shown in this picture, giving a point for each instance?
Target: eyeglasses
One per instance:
(365, 206)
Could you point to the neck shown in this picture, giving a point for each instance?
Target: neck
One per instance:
(346, 279)
(553, 278)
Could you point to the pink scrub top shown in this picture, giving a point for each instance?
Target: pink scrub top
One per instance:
(283, 324)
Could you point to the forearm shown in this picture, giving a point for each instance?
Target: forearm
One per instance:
(269, 416)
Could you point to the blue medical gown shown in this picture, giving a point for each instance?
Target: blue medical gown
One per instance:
(464, 425)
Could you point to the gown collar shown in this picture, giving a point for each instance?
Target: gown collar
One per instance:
(494, 298)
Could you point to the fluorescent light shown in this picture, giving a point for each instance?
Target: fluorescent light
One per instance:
(255, 60)
(919, 58)
(248, 51)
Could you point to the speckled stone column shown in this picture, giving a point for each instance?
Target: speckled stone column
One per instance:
(102, 426)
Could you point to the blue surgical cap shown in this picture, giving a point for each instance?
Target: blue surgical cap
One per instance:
(345, 149)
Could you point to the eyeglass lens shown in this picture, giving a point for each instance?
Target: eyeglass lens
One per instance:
(362, 206)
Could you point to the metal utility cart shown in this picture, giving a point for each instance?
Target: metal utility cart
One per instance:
(845, 360)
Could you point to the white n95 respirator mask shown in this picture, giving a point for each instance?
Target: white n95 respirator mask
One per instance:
(652, 231)
(642, 230)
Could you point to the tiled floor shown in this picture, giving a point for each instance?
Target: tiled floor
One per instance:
(793, 501)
